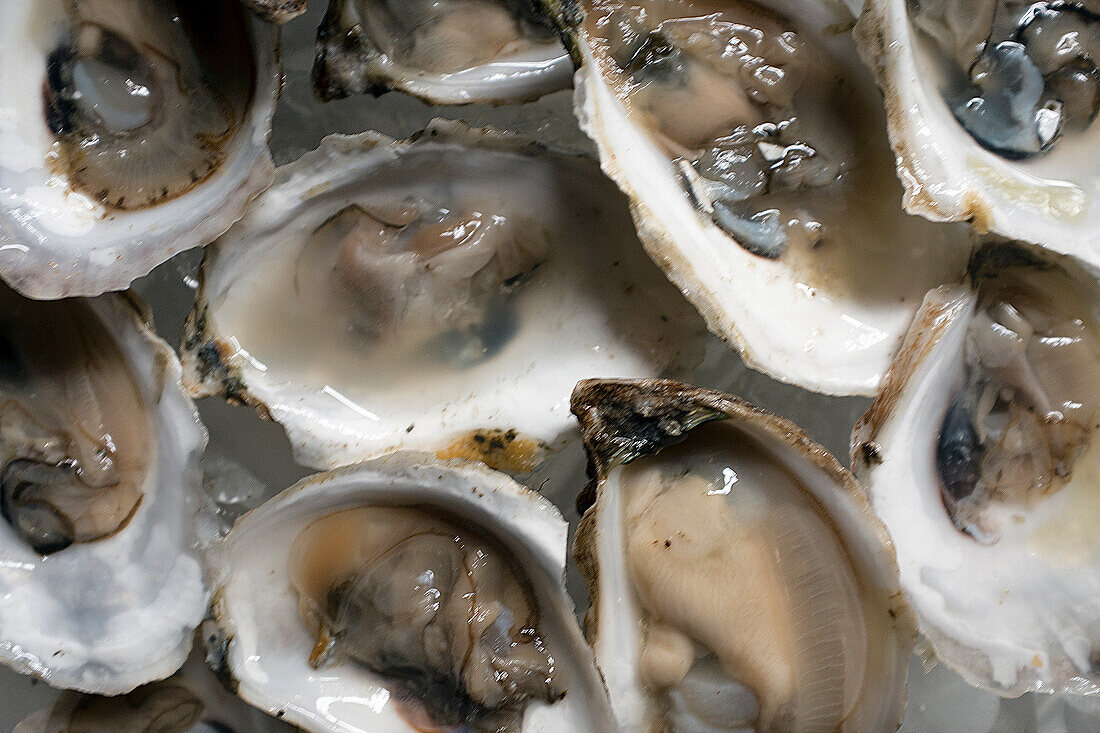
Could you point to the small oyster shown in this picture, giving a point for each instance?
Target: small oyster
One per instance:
(739, 580)
(132, 129)
(406, 594)
(99, 450)
(981, 458)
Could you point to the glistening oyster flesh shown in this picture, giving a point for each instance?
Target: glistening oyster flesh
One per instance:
(443, 293)
(752, 147)
(449, 52)
(981, 457)
(132, 129)
(100, 451)
(739, 580)
(404, 594)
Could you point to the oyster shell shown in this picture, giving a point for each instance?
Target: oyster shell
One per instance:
(981, 459)
(326, 603)
(440, 294)
(449, 52)
(132, 130)
(739, 580)
(100, 452)
(752, 147)
(992, 109)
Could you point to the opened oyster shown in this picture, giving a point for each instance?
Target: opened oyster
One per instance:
(406, 594)
(992, 107)
(753, 150)
(132, 130)
(449, 52)
(99, 450)
(441, 294)
(739, 580)
(981, 458)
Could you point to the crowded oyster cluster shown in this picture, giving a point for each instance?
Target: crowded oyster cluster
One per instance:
(890, 199)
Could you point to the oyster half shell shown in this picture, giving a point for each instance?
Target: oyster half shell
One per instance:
(739, 579)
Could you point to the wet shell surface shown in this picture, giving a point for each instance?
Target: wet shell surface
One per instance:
(127, 139)
(981, 457)
(101, 588)
(311, 594)
(992, 110)
(760, 177)
(443, 294)
(449, 52)
(738, 577)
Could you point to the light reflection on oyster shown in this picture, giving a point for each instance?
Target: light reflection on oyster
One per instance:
(406, 594)
(442, 294)
(738, 578)
(992, 108)
(980, 456)
(449, 52)
(133, 130)
(752, 146)
(100, 452)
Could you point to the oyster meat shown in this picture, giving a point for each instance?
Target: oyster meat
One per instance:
(449, 52)
(751, 143)
(739, 580)
(406, 594)
(982, 460)
(99, 450)
(132, 130)
(992, 108)
(441, 294)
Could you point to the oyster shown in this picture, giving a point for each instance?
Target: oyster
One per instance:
(439, 294)
(739, 580)
(753, 149)
(992, 108)
(99, 450)
(981, 459)
(132, 130)
(449, 52)
(277, 11)
(406, 594)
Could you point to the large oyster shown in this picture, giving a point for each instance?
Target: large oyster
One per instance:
(739, 580)
(99, 450)
(132, 130)
(449, 52)
(981, 458)
(753, 149)
(992, 107)
(406, 594)
(441, 294)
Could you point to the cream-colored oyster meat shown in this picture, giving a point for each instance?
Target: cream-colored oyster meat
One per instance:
(132, 130)
(99, 450)
(992, 108)
(981, 456)
(739, 580)
(440, 294)
(449, 52)
(751, 142)
(409, 594)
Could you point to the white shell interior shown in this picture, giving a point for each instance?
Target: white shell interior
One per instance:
(57, 242)
(109, 615)
(269, 646)
(595, 306)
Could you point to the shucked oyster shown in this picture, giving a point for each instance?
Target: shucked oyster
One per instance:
(981, 456)
(739, 580)
(992, 107)
(442, 294)
(132, 130)
(449, 52)
(753, 149)
(99, 451)
(406, 594)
